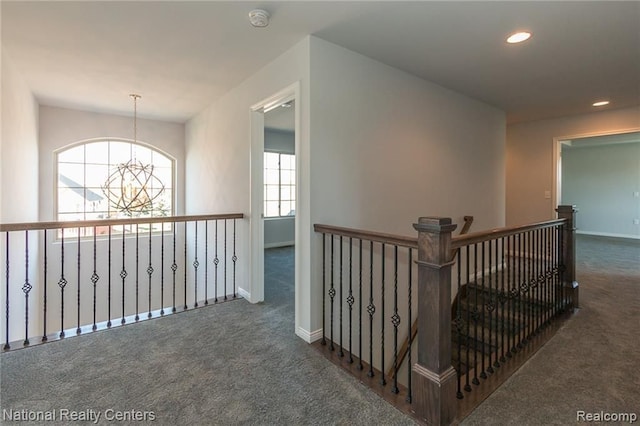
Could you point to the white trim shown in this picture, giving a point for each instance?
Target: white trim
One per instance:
(244, 294)
(280, 244)
(557, 167)
(307, 336)
(608, 234)
(256, 237)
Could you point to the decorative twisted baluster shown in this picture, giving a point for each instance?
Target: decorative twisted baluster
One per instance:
(150, 271)
(26, 288)
(195, 269)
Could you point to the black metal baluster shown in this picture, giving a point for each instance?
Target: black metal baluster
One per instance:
(195, 268)
(518, 286)
(483, 342)
(503, 301)
(332, 293)
(531, 278)
(94, 280)
(383, 381)
(556, 268)
(324, 288)
(475, 316)
(216, 261)
(7, 346)
(185, 266)
(467, 386)
(62, 283)
(150, 270)
(524, 286)
(409, 322)
(499, 267)
(162, 268)
(174, 268)
(340, 353)
(541, 278)
(78, 329)
(511, 303)
(123, 275)
(371, 309)
(206, 262)
(360, 366)
(490, 307)
(225, 259)
(44, 277)
(234, 259)
(109, 282)
(26, 288)
(549, 283)
(350, 299)
(395, 320)
(137, 272)
(459, 324)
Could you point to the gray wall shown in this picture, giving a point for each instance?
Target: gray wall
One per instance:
(279, 232)
(603, 182)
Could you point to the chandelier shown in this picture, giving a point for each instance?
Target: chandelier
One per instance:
(131, 187)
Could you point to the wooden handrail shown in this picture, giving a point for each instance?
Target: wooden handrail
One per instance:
(29, 226)
(378, 237)
(492, 234)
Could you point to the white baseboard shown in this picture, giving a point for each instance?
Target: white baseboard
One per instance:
(280, 244)
(307, 336)
(608, 234)
(244, 294)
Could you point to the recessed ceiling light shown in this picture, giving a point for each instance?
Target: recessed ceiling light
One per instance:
(600, 103)
(518, 37)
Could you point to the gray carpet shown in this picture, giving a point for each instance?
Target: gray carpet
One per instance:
(593, 363)
(230, 364)
(238, 363)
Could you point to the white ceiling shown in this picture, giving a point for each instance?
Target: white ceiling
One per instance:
(182, 55)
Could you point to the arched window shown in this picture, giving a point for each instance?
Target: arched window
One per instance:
(111, 179)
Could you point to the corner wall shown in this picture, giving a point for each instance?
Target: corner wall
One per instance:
(19, 195)
(530, 158)
(388, 147)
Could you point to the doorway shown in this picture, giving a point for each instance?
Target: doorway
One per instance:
(261, 117)
(600, 174)
(279, 204)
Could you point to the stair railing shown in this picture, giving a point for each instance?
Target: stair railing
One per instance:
(510, 284)
(61, 279)
(516, 281)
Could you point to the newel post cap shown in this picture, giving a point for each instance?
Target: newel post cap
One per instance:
(435, 224)
(567, 209)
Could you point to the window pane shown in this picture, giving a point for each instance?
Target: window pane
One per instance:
(287, 177)
(97, 153)
(164, 175)
(141, 153)
(285, 192)
(71, 175)
(65, 217)
(271, 208)
(119, 152)
(96, 175)
(272, 177)
(285, 210)
(71, 200)
(272, 193)
(271, 160)
(160, 160)
(73, 155)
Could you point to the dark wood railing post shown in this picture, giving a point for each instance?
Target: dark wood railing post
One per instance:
(569, 254)
(433, 376)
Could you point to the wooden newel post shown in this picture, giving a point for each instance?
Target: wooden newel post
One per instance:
(433, 376)
(569, 254)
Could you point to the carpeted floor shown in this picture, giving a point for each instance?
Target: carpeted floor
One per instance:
(238, 363)
(229, 364)
(593, 363)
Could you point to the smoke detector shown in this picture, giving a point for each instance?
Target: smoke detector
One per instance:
(259, 18)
